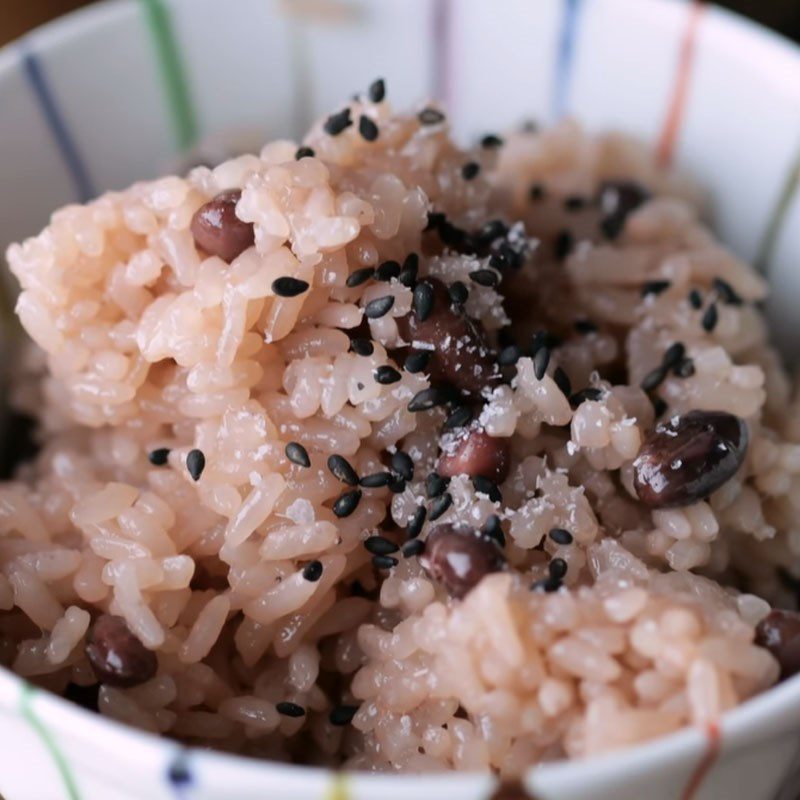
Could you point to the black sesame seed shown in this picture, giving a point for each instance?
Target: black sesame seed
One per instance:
(673, 354)
(304, 152)
(414, 527)
(557, 568)
(367, 128)
(346, 503)
(695, 299)
(377, 90)
(297, 454)
(386, 375)
(359, 276)
(312, 571)
(428, 399)
(403, 465)
(440, 505)
(726, 292)
(612, 226)
(413, 548)
(422, 301)
(195, 463)
(289, 287)
(430, 116)
(458, 293)
(655, 287)
(491, 141)
(563, 245)
(379, 307)
(384, 562)
(159, 456)
(509, 356)
(458, 418)
(484, 485)
(397, 485)
(435, 484)
(546, 585)
(659, 406)
(470, 170)
(408, 274)
(435, 220)
(342, 715)
(380, 546)
(338, 122)
(561, 536)
(575, 202)
(485, 277)
(684, 368)
(360, 386)
(376, 480)
(584, 326)
(590, 393)
(341, 469)
(562, 381)
(540, 362)
(536, 192)
(290, 709)
(492, 530)
(417, 361)
(653, 379)
(362, 347)
(387, 271)
(710, 318)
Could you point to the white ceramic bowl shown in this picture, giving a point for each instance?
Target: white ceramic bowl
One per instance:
(113, 93)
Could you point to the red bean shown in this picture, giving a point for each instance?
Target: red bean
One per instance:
(458, 557)
(218, 231)
(460, 354)
(779, 632)
(117, 657)
(687, 457)
(476, 453)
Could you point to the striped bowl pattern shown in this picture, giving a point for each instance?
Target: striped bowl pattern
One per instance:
(118, 92)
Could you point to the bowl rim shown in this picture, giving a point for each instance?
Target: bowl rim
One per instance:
(764, 717)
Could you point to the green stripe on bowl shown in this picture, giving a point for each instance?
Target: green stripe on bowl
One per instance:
(26, 710)
(173, 75)
(778, 216)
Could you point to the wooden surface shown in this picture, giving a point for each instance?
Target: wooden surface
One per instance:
(19, 16)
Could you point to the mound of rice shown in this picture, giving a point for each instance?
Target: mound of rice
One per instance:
(185, 543)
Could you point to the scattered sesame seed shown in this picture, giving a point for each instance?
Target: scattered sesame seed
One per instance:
(563, 245)
(485, 277)
(384, 562)
(159, 456)
(684, 368)
(359, 276)
(536, 192)
(726, 292)
(435, 484)
(560, 536)
(346, 503)
(541, 360)
(491, 141)
(340, 468)
(611, 226)
(403, 465)
(584, 326)
(546, 585)
(379, 307)
(509, 356)
(342, 715)
(427, 399)
(297, 454)
(695, 299)
(440, 505)
(493, 530)
(290, 709)
(376, 480)
(458, 418)
(195, 463)
(562, 381)
(653, 379)
(304, 152)
(484, 485)
(367, 128)
(422, 301)
(458, 292)
(655, 287)
(397, 484)
(417, 361)
(377, 90)
(435, 220)
(380, 545)
(312, 571)
(430, 116)
(470, 170)
(408, 274)
(590, 393)
(659, 406)
(289, 287)
(414, 527)
(338, 122)
(557, 568)
(575, 202)
(387, 271)
(362, 347)
(386, 375)
(414, 547)
(710, 318)
(673, 354)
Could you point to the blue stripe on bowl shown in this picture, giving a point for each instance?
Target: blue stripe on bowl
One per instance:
(565, 58)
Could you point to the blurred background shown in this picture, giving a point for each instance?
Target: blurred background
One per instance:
(19, 16)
